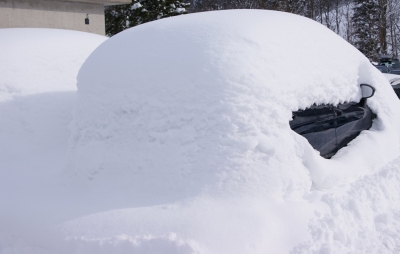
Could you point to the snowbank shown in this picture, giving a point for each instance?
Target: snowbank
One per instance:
(38, 70)
(187, 119)
(37, 90)
(42, 60)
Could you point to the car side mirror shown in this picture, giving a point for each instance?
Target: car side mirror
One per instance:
(367, 91)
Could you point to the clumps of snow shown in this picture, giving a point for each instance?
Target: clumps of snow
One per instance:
(135, 6)
(363, 217)
(180, 10)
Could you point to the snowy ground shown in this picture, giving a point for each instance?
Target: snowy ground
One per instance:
(198, 158)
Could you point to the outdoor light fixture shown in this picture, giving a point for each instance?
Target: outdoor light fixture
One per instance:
(87, 19)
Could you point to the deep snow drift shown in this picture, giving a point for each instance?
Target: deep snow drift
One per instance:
(180, 143)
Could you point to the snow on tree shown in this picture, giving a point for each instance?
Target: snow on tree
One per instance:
(121, 17)
(366, 27)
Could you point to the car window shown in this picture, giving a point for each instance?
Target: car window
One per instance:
(317, 125)
(329, 128)
(395, 65)
(312, 120)
(396, 88)
(350, 122)
(383, 69)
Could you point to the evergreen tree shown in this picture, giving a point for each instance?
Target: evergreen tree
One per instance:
(116, 19)
(366, 27)
(121, 17)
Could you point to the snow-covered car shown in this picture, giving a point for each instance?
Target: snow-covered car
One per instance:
(394, 63)
(230, 85)
(183, 124)
(383, 68)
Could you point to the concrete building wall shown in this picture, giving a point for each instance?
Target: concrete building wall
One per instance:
(53, 14)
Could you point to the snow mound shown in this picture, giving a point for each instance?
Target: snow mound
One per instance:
(42, 60)
(362, 217)
(203, 101)
(183, 126)
(37, 93)
(38, 70)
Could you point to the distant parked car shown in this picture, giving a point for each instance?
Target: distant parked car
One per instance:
(328, 128)
(385, 59)
(395, 71)
(395, 65)
(390, 62)
(383, 68)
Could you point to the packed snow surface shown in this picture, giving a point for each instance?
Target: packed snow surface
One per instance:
(180, 143)
(38, 70)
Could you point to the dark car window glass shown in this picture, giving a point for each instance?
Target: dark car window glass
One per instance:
(395, 65)
(396, 89)
(329, 128)
(316, 124)
(348, 112)
(382, 68)
(351, 122)
(395, 72)
(312, 119)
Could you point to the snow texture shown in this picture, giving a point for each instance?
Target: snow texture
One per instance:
(180, 142)
(209, 97)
